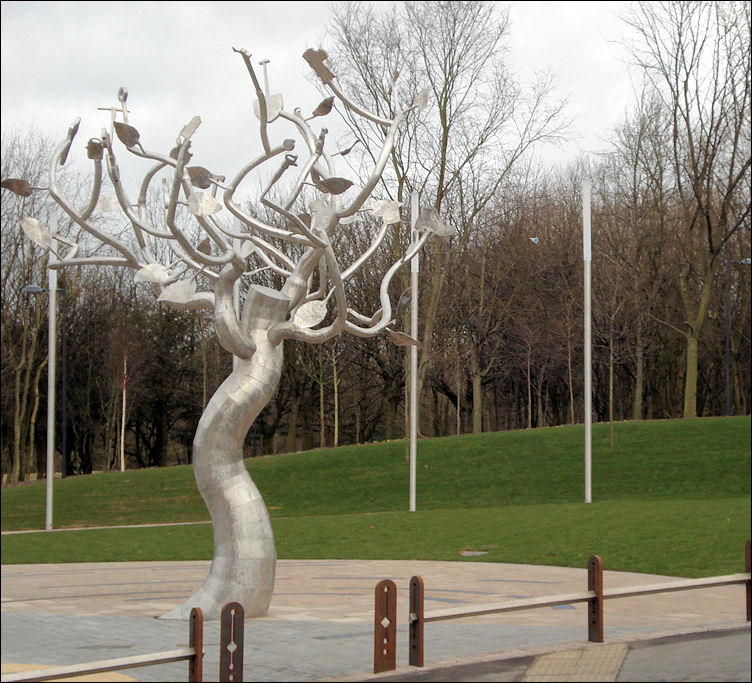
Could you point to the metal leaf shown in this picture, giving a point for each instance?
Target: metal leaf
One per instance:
(324, 107)
(309, 314)
(153, 272)
(190, 127)
(334, 185)
(179, 292)
(17, 186)
(347, 151)
(36, 232)
(108, 203)
(388, 210)
(176, 150)
(94, 149)
(274, 105)
(200, 177)
(402, 339)
(430, 220)
(201, 204)
(128, 135)
(403, 302)
(315, 59)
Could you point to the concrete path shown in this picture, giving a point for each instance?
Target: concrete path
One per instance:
(320, 626)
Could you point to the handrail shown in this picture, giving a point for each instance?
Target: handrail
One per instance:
(509, 606)
(230, 666)
(386, 607)
(571, 598)
(707, 582)
(52, 673)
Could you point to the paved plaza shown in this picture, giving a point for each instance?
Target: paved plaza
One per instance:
(320, 625)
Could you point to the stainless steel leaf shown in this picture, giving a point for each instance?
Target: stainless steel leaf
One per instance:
(128, 135)
(334, 185)
(200, 177)
(36, 232)
(17, 186)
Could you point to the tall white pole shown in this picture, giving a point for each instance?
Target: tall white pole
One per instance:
(586, 258)
(51, 385)
(413, 355)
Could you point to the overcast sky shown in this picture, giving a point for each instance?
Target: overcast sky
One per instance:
(62, 60)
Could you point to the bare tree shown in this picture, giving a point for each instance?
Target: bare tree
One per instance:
(22, 333)
(697, 57)
(197, 259)
(460, 153)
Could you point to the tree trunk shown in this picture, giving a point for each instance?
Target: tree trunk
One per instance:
(40, 459)
(571, 381)
(322, 412)
(529, 394)
(611, 384)
(335, 388)
(639, 375)
(292, 425)
(539, 399)
(245, 557)
(690, 378)
(477, 391)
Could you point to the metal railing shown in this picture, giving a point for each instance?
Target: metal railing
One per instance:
(230, 653)
(385, 627)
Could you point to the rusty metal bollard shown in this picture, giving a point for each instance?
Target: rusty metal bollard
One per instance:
(595, 605)
(231, 643)
(416, 621)
(196, 641)
(385, 627)
(748, 585)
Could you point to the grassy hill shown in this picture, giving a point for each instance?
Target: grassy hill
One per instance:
(669, 497)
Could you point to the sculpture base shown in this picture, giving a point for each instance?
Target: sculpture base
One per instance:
(249, 582)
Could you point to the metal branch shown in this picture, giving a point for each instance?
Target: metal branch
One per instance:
(296, 223)
(260, 96)
(367, 253)
(383, 317)
(186, 245)
(225, 320)
(386, 150)
(287, 330)
(256, 224)
(54, 191)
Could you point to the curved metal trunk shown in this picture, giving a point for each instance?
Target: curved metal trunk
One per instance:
(245, 557)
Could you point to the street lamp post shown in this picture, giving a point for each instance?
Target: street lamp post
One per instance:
(586, 260)
(52, 290)
(64, 388)
(414, 209)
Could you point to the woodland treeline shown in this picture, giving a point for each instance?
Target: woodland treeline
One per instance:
(501, 301)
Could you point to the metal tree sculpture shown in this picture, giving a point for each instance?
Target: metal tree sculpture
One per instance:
(217, 253)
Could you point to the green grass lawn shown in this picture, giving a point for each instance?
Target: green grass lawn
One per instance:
(671, 497)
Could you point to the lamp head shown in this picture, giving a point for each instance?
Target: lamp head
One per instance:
(32, 289)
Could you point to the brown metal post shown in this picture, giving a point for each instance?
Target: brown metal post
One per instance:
(231, 643)
(416, 621)
(595, 605)
(196, 641)
(385, 627)
(748, 564)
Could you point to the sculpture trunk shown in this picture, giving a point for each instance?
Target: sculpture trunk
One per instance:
(244, 561)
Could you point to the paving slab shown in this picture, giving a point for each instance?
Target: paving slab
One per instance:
(320, 624)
